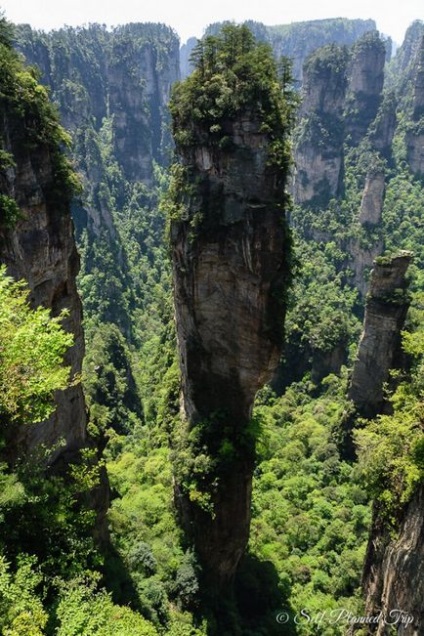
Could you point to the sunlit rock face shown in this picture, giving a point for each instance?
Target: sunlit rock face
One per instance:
(341, 97)
(415, 135)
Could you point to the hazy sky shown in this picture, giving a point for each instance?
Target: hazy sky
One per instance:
(190, 17)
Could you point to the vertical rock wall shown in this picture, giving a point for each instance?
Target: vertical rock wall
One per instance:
(230, 267)
(385, 314)
(40, 248)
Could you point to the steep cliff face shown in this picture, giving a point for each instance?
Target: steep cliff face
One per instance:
(229, 278)
(38, 245)
(366, 78)
(393, 578)
(385, 314)
(125, 75)
(372, 199)
(230, 253)
(341, 98)
(112, 88)
(361, 257)
(319, 147)
(415, 134)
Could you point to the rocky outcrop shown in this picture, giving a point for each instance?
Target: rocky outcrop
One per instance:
(393, 579)
(403, 63)
(372, 199)
(341, 98)
(379, 348)
(39, 247)
(229, 276)
(383, 128)
(361, 259)
(231, 266)
(414, 137)
(366, 78)
(364, 249)
(112, 88)
(385, 313)
(123, 76)
(319, 147)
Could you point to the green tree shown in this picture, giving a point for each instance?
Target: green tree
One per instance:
(32, 347)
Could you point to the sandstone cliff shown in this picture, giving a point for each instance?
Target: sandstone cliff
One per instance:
(341, 98)
(228, 279)
(124, 77)
(112, 88)
(366, 78)
(39, 245)
(230, 254)
(393, 580)
(415, 133)
(385, 312)
(319, 144)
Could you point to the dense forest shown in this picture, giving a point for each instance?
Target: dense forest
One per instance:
(238, 447)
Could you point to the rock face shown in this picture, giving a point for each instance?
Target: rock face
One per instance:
(40, 248)
(370, 213)
(319, 148)
(385, 314)
(372, 199)
(342, 93)
(229, 276)
(366, 78)
(393, 578)
(415, 136)
(231, 255)
(124, 74)
(112, 88)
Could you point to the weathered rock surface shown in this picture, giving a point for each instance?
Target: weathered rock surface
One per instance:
(366, 78)
(372, 199)
(362, 255)
(415, 136)
(124, 75)
(41, 249)
(383, 128)
(385, 313)
(319, 149)
(342, 94)
(230, 273)
(393, 578)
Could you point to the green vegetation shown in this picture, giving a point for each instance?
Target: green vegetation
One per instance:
(23, 98)
(32, 346)
(233, 74)
(311, 510)
(391, 447)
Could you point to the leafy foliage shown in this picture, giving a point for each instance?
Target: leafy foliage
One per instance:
(234, 74)
(32, 346)
(391, 447)
(310, 509)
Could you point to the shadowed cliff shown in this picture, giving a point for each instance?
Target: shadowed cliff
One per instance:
(231, 267)
(36, 234)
